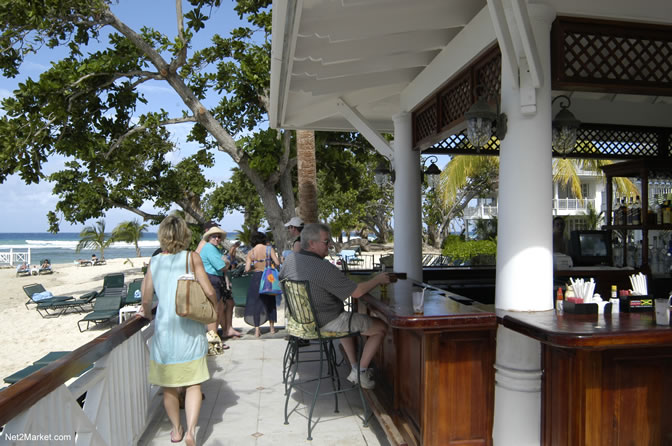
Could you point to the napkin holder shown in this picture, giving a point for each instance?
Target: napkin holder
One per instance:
(636, 304)
(585, 308)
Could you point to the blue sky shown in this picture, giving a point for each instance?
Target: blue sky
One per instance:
(26, 206)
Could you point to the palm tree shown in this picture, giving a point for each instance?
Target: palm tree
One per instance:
(93, 237)
(130, 232)
(486, 229)
(593, 219)
(307, 175)
(567, 171)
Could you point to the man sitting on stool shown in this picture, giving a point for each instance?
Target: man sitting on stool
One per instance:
(329, 288)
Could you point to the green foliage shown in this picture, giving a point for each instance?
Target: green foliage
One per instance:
(238, 194)
(84, 108)
(130, 232)
(245, 234)
(347, 195)
(265, 149)
(486, 228)
(473, 251)
(93, 237)
(593, 218)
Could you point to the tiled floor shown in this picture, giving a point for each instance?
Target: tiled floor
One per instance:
(245, 400)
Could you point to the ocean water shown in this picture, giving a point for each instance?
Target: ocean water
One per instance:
(60, 248)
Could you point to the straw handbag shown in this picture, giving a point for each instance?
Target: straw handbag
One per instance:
(190, 299)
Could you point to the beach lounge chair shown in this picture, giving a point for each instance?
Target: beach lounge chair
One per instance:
(23, 270)
(45, 267)
(133, 293)
(55, 309)
(131, 302)
(105, 308)
(42, 362)
(37, 288)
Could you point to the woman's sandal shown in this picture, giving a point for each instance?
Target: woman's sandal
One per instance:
(172, 440)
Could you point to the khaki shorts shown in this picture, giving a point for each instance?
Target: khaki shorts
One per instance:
(360, 323)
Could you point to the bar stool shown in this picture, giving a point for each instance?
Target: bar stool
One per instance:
(304, 327)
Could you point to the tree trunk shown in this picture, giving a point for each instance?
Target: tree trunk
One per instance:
(307, 175)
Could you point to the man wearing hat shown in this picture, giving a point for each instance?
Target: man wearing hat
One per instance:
(294, 227)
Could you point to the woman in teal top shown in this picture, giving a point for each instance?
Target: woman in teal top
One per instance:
(215, 266)
(177, 355)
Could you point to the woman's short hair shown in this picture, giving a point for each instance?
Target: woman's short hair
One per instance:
(174, 234)
(311, 232)
(258, 238)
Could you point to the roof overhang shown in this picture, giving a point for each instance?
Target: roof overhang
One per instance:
(383, 57)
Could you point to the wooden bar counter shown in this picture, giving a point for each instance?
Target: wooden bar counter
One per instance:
(607, 379)
(434, 372)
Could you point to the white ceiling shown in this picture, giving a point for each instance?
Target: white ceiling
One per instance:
(384, 56)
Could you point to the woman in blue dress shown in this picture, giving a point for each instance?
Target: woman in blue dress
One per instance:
(179, 346)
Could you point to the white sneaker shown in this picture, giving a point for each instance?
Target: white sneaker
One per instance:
(365, 377)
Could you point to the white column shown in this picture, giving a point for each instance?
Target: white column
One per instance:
(407, 208)
(524, 244)
(517, 390)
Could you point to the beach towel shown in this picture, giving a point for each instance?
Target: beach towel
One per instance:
(44, 295)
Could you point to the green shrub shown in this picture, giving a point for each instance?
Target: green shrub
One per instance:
(476, 252)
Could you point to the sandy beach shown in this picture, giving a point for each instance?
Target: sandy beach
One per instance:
(26, 336)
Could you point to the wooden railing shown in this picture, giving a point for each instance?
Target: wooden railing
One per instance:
(108, 404)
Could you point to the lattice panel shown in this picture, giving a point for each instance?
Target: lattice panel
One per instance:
(593, 141)
(425, 122)
(489, 74)
(448, 106)
(458, 144)
(617, 143)
(455, 101)
(636, 57)
(614, 58)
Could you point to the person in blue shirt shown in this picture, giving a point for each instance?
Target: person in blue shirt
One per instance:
(215, 266)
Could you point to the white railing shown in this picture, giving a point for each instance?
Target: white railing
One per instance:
(573, 204)
(12, 257)
(559, 204)
(480, 212)
(116, 408)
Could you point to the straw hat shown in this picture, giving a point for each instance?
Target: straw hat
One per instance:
(295, 221)
(212, 231)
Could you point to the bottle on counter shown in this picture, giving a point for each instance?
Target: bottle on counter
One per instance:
(637, 212)
(658, 209)
(559, 300)
(623, 212)
(667, 212)
(615, 302)
(629, 209)
(617, 212)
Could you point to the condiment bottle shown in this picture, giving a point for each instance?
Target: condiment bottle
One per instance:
(559, 300)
